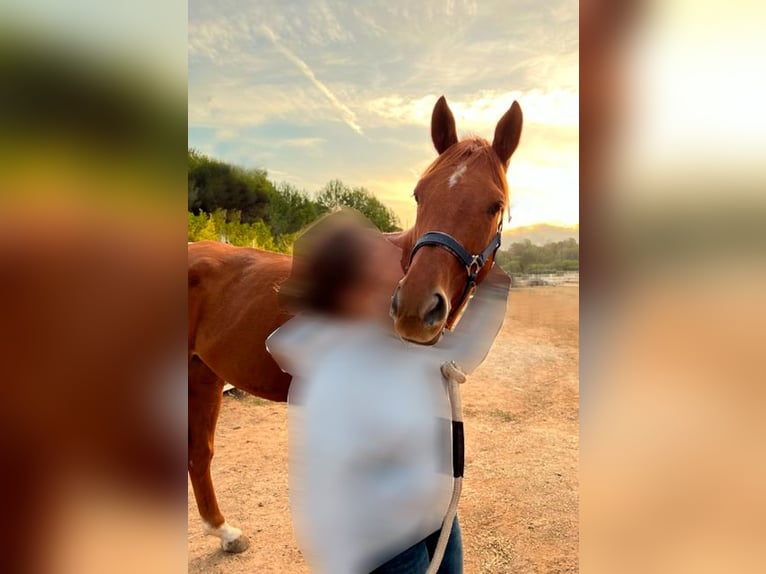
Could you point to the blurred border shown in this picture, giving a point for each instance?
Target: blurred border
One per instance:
(673, 315)
(93, 286)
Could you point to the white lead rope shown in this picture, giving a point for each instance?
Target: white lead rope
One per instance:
(454, 377)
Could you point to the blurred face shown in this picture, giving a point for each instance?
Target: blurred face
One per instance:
(370, 297)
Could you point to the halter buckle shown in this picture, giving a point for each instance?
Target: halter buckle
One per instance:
(474, 266)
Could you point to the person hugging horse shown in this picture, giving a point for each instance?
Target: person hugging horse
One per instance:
(373, 474)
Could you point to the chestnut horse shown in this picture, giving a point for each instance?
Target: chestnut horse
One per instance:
(233, 304)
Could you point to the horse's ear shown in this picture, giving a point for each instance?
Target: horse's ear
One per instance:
(507, 133)
(443, 132)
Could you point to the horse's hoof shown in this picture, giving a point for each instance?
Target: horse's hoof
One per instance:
(237, 545)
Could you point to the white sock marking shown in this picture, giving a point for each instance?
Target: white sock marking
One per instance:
(225, 531)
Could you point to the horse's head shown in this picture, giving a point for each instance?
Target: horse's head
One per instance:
(461, 198)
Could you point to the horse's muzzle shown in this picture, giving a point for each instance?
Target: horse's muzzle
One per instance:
(420, 321)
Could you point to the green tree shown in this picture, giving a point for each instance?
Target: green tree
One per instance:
(525, 257)
(242, 207)
(337, 194)
(291, 210)
(525, 253)
(214, 184)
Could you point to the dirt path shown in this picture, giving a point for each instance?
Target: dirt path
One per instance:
(519, 506)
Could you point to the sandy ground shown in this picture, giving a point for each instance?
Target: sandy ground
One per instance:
(519, 506)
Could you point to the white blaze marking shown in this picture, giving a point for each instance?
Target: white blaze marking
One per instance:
(225, 531)
(455, 177)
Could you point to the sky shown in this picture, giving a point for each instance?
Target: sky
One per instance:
(324, 89)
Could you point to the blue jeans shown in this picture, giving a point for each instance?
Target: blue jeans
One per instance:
(415, 559)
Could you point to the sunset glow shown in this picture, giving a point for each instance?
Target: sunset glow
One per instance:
(323, 92)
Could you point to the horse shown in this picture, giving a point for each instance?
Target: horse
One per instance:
(233, 291)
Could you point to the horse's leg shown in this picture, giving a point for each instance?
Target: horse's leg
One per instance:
(205, 397)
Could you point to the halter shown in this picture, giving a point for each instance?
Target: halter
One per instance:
(473, 263)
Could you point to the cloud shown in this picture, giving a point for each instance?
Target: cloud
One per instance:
(481, 111)
(301, 142)
(348, 116)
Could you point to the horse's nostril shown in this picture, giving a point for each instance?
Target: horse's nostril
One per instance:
(394, 303)
(437, 313)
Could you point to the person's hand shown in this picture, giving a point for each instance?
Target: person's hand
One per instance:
(452, 372)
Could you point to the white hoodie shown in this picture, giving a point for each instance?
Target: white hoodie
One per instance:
(370, 468)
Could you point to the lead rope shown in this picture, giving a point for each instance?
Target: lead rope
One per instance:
(454, 377)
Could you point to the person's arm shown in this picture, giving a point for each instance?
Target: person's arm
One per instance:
(471, 340)
(295, 344)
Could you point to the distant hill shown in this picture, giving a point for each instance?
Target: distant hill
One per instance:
(540, 234)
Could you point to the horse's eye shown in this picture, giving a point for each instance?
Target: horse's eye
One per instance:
(495, 208)
(417, 199)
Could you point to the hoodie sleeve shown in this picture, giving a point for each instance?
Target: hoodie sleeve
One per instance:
(296, 344)
(469, 344)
